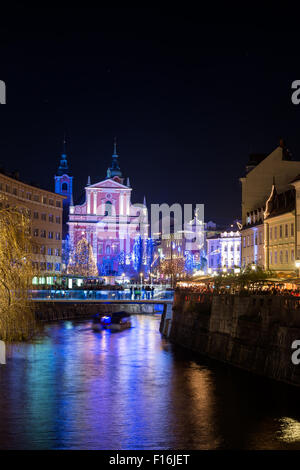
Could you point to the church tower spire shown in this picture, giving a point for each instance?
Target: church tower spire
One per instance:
(64, 184)
(114, 169)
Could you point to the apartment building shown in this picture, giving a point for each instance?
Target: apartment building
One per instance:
(45, 211)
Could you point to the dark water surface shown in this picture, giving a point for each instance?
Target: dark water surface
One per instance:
(77, 389)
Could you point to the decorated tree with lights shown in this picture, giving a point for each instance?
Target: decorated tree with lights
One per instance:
(17, 319)
(82, 261)
(173, 268)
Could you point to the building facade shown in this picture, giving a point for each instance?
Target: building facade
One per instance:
(224, 251)
(280, 231)
(44, 209)
(256, 189)
(111, 224)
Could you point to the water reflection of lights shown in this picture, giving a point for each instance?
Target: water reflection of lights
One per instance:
(289, 430)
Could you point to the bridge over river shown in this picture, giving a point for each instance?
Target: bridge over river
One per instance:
(61, 305)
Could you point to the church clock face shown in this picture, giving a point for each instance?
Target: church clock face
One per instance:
(108, 196)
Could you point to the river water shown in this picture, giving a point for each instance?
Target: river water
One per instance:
(73, 388)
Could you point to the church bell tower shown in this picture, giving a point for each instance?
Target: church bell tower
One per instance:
(64, 186)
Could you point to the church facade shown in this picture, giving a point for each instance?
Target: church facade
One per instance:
(106, 218)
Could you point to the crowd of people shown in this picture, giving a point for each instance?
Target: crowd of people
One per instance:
(268, 289)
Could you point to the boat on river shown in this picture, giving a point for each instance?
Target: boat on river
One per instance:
(117, 321)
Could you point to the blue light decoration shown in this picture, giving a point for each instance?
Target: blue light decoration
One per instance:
(138, 253)
(189, 262)
(122, 259)
(149, 253)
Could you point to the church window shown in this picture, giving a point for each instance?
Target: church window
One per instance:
(108, 208)
(64, 187)
(100, 249)
(108, 250)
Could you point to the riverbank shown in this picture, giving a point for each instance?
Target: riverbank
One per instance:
(252, 332)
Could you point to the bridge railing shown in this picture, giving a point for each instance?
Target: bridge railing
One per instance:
(157, 294)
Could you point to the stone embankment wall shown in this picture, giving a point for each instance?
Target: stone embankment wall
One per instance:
(253, 332)
(53, 311)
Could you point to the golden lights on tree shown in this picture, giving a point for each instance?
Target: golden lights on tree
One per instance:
(82, 261)
(17, 319)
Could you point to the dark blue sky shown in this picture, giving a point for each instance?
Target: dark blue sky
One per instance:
(188, 99)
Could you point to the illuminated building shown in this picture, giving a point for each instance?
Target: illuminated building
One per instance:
(256, 189)
(224, 251)
(280, 229)
(45, 211)
(111, 224)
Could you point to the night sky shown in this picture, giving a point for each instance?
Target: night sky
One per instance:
(187, 98)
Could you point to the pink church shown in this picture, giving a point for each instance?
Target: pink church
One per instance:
(109, 222)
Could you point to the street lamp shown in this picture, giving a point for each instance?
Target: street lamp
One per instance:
(253, 267)
(141, 276)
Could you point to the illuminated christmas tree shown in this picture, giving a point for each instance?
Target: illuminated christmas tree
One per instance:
(82, 261)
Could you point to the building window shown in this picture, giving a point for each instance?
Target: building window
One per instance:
(275, 257)
(36, 198)
(57, 266)
(43, 266)
(292, 255)
(44, 217)
(57, 252)
(49, 266)
(57, 235)
(57, 220)
(58, 204)
(260, 238)
(28, 196)
(51, 202)
(36, 232)
(51, 218)
(271, 233)
(292, 230)
(280, 257)
(255, 238)
(275, 233)
(7, 188)
(43, 233)
(286, 230)
(244, 242)
(248, 240)
(15, 192)
(252, 239)
(108, 208)
(50, 251)
(35, 215)
(280, 231)
(286, 256)
(100, 249)
(50, 235)
(44, 200)
(43, 250)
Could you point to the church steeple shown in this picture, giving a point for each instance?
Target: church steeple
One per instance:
(64, 185)
(114, 169)
(63, 168)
